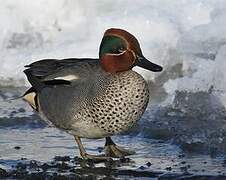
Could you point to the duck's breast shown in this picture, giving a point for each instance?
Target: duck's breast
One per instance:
(120, 104)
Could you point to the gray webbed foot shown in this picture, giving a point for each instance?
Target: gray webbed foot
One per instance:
(112, 150)
(101, 157)
(86, 156)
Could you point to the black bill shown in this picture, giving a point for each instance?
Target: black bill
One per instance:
(144, 63)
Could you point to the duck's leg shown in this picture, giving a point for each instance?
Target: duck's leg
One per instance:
(112, 150)
(85, 155)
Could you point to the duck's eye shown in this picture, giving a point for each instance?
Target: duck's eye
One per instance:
(118, 50)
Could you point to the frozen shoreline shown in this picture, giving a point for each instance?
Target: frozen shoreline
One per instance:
(184, 127)
(186, 37)
(66, 167)
(23, 136)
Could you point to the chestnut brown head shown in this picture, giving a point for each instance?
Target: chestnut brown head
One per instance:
(120, 51)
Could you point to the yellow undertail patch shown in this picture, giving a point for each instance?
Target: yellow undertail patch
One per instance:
(30, 98)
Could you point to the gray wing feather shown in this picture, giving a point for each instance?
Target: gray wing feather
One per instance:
(43, 68)
(61, 101)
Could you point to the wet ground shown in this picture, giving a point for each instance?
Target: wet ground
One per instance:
(29, 149)
(64, 167)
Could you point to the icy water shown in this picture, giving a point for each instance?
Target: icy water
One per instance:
(181, 135)
(29, 148)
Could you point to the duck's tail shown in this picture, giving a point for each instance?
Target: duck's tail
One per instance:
(37, 84)
(30, 96)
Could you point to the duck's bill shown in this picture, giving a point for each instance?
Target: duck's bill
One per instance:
(144, 63)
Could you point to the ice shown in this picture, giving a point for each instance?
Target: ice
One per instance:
(188, 38)
(59, 29)
(220, 75)
(194, 120)
(170, 33)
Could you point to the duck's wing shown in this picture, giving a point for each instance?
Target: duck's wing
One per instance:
(46, 67)
(57, 73)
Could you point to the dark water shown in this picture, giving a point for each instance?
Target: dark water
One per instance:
(183, 141)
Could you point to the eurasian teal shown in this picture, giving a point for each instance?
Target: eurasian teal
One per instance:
(93, 98)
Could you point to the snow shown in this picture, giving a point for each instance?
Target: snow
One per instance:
(186, 37)
(191, 33)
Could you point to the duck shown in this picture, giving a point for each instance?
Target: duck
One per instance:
(93, 97)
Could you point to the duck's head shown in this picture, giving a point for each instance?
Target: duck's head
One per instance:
(120, 51)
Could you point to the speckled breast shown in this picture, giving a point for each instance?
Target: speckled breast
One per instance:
(121, 104)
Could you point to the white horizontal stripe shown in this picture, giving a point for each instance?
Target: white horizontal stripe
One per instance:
(68, 77)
